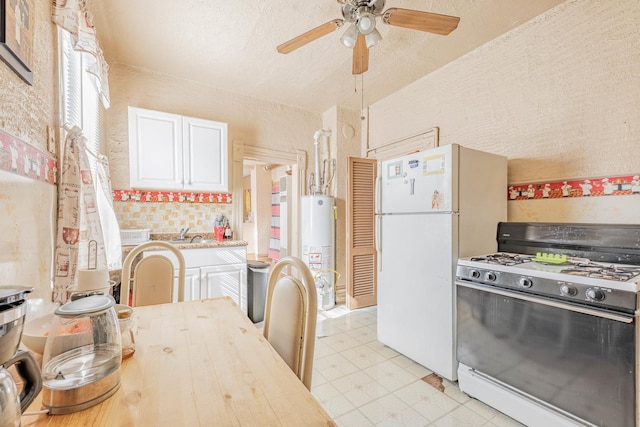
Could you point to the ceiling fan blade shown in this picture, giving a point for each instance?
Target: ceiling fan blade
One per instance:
(309, 36)
(421, 21)
(360, 56)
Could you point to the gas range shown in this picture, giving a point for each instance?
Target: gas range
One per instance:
(606, 285)
(553, 338)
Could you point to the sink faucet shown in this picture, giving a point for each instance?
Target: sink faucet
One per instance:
(183, 233)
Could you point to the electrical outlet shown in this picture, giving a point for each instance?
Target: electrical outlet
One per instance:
(51, 140)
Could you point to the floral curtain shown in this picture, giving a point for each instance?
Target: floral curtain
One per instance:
(73, 16)
(79, 242)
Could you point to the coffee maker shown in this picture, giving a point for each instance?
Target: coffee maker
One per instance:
(13, 307)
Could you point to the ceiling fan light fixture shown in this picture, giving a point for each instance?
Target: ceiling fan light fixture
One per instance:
(349, 37)
(366, 23)
(373, 38)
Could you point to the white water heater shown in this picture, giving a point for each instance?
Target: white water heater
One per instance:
(318, 245)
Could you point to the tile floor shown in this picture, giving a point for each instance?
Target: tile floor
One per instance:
(361, 382)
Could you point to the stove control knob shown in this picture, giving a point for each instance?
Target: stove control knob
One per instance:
(475, 274)
(568, 290)
(491, 276)
(525, 282)
(595, 294)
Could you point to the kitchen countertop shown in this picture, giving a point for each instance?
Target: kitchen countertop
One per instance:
(206, 243)
(198, 363)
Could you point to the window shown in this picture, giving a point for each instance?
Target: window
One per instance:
(80, 100)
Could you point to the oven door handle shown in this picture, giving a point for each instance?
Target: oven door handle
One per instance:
(583, 310)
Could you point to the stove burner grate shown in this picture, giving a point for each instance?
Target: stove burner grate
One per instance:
(503, 258)
(610, 272)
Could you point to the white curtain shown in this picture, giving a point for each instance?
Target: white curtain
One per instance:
(79, 242)
(73, 16)
(109, 222)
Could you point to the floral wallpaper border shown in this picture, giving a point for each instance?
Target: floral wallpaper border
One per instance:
(588, 187)
(170, 196)
(22, 159)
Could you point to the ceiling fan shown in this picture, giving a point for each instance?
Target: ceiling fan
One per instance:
(362, 33)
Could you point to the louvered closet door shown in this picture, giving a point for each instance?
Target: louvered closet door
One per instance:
(361, 246)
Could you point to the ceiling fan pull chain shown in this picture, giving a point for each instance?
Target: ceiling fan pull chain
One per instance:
(362, 91)
(362, 96)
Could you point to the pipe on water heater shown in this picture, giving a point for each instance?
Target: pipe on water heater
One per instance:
(316, 139)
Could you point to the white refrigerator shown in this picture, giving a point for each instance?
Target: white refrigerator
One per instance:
(432, 207)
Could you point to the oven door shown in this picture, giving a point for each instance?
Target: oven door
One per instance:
(571, 357)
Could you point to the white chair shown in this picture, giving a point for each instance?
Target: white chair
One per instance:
(153, 276)
(290, 317)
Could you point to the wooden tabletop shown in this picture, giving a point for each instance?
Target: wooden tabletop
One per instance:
(199, 363)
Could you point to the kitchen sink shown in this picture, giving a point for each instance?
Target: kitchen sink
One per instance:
(189, 242)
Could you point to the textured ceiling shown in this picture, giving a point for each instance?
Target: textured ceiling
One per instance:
(231, 45)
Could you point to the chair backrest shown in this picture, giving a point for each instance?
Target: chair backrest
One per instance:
(153, 276)
(290, 317)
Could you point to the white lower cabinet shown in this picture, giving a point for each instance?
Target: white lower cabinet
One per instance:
(191, 285)
(225, 280)
(212, 273)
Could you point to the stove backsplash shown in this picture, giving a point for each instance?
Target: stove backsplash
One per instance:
(615, 243)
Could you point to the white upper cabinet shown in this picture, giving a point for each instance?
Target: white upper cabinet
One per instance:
(204, 149)
(155, 150)
(172, 152)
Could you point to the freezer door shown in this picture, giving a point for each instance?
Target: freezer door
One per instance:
(421, 182)
(416, 291)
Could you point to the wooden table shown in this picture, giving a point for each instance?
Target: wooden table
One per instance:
(199, 363)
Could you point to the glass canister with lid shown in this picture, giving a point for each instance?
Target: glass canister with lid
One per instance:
(82, 355)
(125, 319)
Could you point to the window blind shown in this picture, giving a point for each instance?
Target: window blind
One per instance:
(80, 97)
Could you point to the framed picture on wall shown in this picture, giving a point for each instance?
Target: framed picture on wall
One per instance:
(16, 36)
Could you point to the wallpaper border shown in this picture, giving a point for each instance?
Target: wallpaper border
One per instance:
(623, 185)
(145, 196)
(21, 158)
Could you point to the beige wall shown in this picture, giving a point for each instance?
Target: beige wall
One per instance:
(26, 111)
(27, 207)
(559, 95)
(255, 122)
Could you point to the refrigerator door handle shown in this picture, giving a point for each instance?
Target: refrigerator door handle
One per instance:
(377, 197)
(378, 235)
